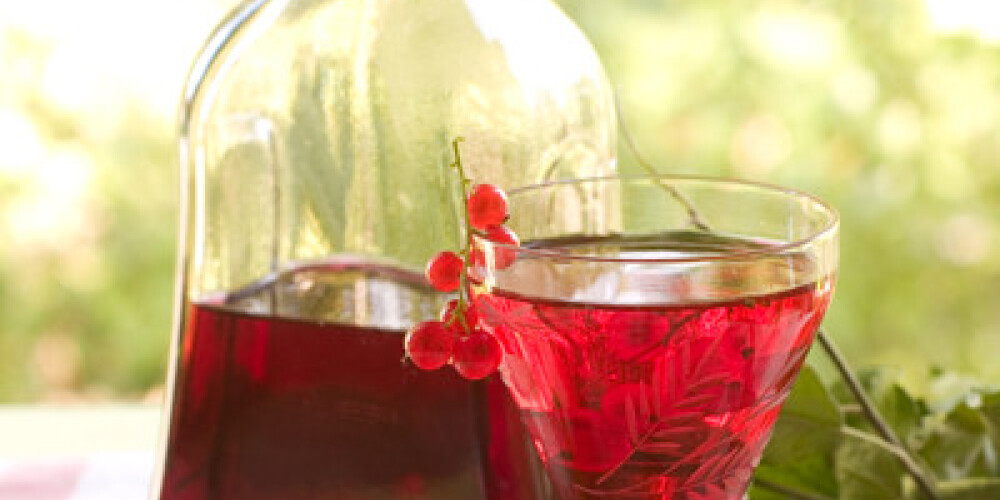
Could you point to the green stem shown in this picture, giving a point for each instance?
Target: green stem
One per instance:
(464, 293)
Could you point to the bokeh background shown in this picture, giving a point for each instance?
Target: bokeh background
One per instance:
(890, 110)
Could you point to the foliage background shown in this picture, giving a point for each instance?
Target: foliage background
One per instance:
(888, 110)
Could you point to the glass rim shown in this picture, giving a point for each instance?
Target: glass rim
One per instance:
(828, 229)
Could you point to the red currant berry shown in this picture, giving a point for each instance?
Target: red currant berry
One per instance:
(448, 316)
(487, 205)
(503, 257)
(444, 271)
(477, 355)
(429, 344)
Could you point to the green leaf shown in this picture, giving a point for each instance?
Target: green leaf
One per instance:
(991, 415)
(970, 489)
(813, 475)
(809, 424)
(902, 412)
(962, 443)
(965, 489)
(958, 438)
(946, 390)
(866, 469)
(757, 493)
(801, 452)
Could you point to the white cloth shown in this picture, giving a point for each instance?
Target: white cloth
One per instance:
(105, 476)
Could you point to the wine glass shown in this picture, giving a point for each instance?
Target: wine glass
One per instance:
(652, 327)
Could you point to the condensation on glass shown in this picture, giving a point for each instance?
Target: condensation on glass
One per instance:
(319, 128)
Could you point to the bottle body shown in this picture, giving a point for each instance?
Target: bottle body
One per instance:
(315, 145)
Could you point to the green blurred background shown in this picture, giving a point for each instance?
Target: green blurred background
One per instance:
(889, 110)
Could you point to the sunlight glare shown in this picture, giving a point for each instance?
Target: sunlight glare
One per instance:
(797, 40)
(22, 143)
(107, 50)
(71, 83)
(538, 65)
(56, 214)
(979, 17)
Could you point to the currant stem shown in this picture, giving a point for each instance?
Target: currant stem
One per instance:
(464, 290)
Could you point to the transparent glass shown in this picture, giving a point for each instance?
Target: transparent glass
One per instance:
(315, 142)
(653, 327)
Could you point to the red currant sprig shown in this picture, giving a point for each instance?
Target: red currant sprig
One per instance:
(459, 336)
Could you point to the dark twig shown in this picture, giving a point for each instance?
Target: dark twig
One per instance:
(902, 453)
(693, 216)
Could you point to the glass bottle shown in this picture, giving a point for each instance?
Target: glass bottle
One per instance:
(315, 143)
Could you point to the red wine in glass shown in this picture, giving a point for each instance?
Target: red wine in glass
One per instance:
(653, 327)
(273, 401)
(664, 401)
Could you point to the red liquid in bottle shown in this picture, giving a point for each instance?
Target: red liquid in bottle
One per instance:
(266, 407)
